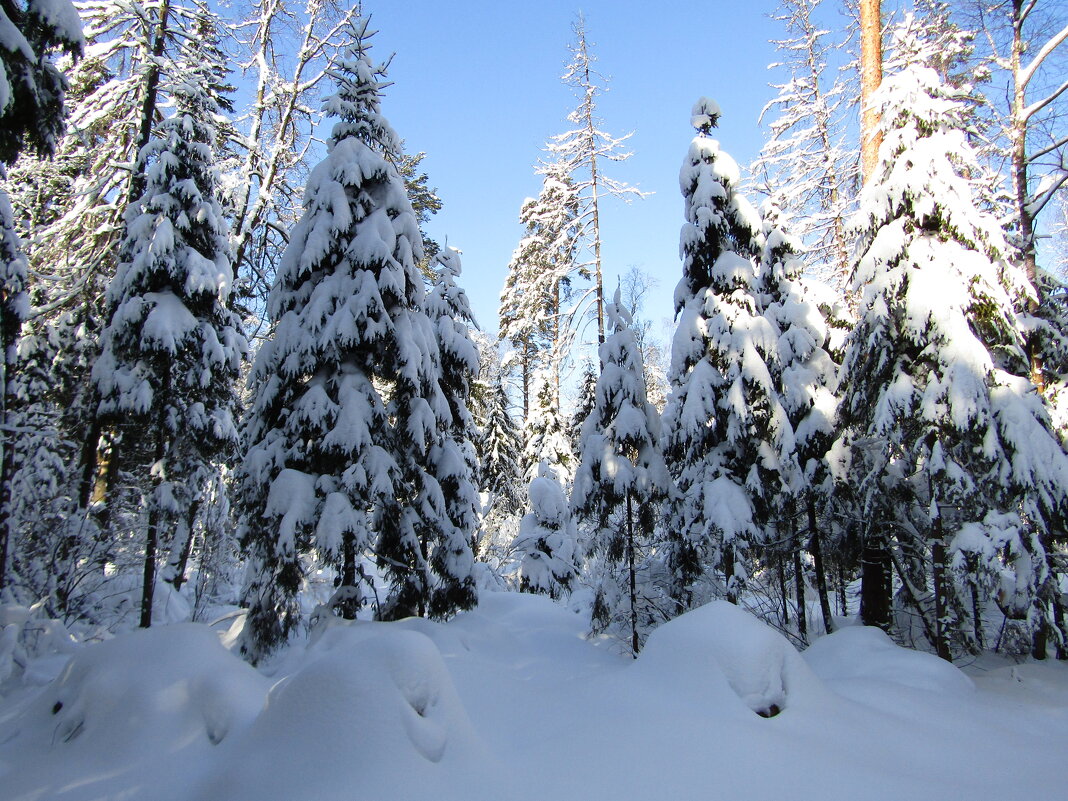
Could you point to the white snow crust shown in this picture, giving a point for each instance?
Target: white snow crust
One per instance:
(513, 701)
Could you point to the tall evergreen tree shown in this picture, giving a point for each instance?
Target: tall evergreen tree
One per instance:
(501, 451)
(726, 433)
(804, 375)
(453, 456)
(934, 386)
(621, 479)
(533, 310)
(545, 437)
(587, 399)
(547, 540)
(172, 348)
(347, 405)
(32, 98)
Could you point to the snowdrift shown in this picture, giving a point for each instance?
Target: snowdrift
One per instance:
(724, 654)
(133, 717)
(372, 714)
(513, 701)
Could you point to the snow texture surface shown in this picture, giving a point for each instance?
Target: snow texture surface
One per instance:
(511, 701)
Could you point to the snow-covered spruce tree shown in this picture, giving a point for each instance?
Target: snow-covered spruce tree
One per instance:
(726, 435)
(934, 388)
(32, 97)
(548, 540)
(114, 105)
(453, 457)
(346, 398)
(500, 454)
(587, 398)
(621, 479)
(804, 374)
(14, 304)
(545, 438)
(172, 349)
(500, 451)
(533, 317)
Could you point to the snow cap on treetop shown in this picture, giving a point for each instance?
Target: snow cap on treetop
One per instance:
(705, 115)
(449, 259)
(617, 313)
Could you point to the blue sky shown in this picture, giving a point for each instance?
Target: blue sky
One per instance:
(477, 87)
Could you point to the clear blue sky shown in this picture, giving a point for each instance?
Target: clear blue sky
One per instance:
(477, 87)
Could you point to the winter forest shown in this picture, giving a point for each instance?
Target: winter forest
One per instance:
(271, 499)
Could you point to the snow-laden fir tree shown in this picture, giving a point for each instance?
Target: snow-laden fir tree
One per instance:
(500, 453)
(32, 98)
(587, 398)
(545, 436)
(804, 375)
(347, 404)
(172, 349)
(726, 434)
(934, 391)
(14, 303)
(75, 207)
(621, 480)
(548, 539)
(453, 457)
(534, 317)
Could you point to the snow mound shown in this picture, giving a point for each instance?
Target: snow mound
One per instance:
(867, 653)
(721, 647)
(164, 695)
(374, 708)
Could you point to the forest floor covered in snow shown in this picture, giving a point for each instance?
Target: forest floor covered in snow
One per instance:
(514, 701)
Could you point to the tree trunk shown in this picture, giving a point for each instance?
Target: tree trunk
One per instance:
(1018, 139)
(816, 550)
(938, 568)
(977, 606)
(591, 135)
(783, 592)
(148, 105)
(876, 582)
(152, 535)
(7, 438)
(633, 578)
(843, 599)
(1059, 623)
(89, 458)
(179, 565)
(871, 75)
(728, 573)
(7, 469)
(799, 583)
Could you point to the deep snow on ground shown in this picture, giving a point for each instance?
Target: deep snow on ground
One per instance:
(513, 701)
